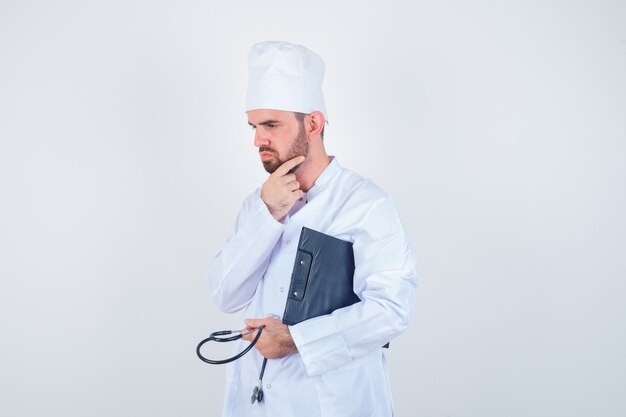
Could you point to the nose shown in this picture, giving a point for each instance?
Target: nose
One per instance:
(260, 139)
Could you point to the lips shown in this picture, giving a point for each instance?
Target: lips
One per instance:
(266, 155)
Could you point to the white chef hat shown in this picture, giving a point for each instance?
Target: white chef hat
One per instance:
(284, 76)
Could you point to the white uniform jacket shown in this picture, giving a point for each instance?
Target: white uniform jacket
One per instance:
(340, 367)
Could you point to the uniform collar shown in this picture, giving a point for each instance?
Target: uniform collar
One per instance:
(325, 177)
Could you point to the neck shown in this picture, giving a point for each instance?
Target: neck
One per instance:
(310, 170)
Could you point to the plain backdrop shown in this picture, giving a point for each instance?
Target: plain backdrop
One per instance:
(498, 127)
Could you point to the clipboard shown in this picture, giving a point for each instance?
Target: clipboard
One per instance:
(322, 277)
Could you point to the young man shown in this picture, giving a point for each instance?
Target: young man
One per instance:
(331, 365)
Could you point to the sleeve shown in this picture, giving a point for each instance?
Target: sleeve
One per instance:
(385, 279)
(239, 265)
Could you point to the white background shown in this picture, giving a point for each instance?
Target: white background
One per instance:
(498, 128)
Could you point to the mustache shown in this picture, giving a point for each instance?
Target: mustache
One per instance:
(266, 149)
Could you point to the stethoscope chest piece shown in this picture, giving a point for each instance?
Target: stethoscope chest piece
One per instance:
(257, 395)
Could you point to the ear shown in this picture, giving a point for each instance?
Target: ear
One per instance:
(314, 124)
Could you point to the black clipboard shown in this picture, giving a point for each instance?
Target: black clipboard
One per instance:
(322, 277)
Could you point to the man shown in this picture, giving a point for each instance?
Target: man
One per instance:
(332, 365)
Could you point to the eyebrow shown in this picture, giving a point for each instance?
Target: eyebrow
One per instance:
(266, 122)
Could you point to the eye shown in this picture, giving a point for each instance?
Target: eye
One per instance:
(271, 126)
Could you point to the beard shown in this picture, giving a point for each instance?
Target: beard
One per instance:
(299, 147)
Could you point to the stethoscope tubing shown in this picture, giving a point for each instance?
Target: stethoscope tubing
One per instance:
(213, 337)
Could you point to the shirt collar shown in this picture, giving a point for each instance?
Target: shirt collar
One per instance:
(325, 177)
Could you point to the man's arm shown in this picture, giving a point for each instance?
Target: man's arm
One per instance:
(385, 279)
(238, 267)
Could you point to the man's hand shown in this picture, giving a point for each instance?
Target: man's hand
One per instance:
(275, 341)
(281, 190)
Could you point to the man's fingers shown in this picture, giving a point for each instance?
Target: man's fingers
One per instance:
(285, 179)
(249, 331)
(252, 323)
(255, 323)
(290, 182)
(287, 166)
(293, 186)
(281, 190)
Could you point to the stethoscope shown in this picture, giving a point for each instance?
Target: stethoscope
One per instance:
(257, 394)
